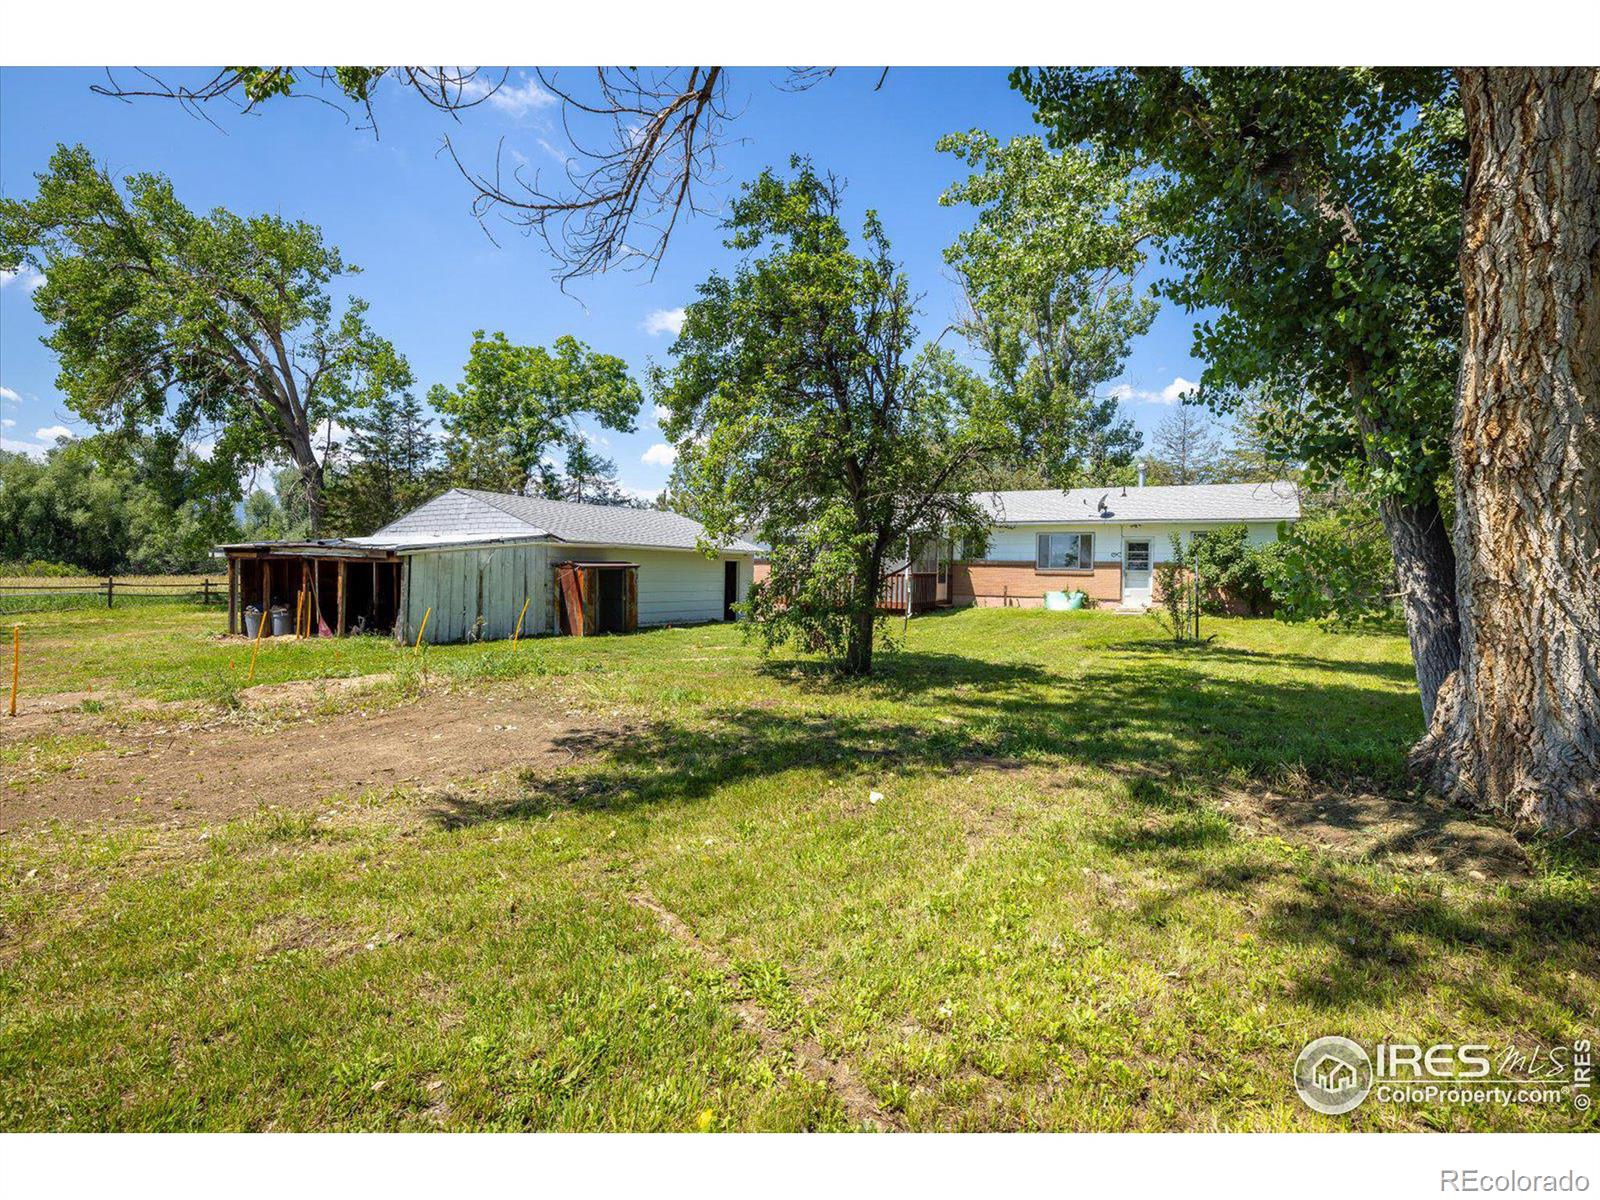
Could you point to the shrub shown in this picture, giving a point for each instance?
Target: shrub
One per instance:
(1333, 564)
(1175, 607)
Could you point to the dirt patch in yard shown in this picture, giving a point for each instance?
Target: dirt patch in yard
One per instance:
(1417, 833)
(193, 772)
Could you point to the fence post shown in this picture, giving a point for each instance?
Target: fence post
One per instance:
(16, 664)
(205, 597)
(110, 586)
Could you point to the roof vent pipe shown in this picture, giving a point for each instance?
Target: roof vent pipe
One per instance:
(1141, 474)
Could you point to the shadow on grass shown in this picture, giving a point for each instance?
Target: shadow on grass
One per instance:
(1170, 729)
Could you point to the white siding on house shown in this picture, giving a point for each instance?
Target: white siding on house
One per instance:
(460, 585)
(1016, 543)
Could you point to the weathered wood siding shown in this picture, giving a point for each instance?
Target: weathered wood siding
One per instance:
(462, 585)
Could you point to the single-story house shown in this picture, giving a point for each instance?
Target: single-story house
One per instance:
(480, 565)
(1103, 540)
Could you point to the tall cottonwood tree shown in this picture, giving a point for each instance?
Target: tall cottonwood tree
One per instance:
(517, 405)
(1517, 728)
(1318, 211)
(1049, 270)
(162, 318)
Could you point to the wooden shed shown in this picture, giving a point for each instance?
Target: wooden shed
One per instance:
(475, 564)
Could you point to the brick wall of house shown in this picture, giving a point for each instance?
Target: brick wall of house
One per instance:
(762, 570)
(1023, 585)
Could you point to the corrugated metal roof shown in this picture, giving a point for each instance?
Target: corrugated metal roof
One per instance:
(469, 514)
(1277, 501)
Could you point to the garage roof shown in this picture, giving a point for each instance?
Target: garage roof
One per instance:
(467, 514)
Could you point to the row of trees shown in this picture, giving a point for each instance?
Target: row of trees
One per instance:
(147, 502)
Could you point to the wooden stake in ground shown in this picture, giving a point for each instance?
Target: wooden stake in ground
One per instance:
(423, 629)
(517, 632)
(16, 665)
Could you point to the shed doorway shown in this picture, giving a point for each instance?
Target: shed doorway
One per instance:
(597, 597)
(730, 588)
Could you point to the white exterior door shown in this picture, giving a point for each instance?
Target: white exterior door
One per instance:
(1136, 572)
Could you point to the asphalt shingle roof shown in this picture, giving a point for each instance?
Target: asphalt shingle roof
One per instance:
(468, 513)
(1278, 501)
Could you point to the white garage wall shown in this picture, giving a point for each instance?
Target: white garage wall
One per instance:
(676, 587)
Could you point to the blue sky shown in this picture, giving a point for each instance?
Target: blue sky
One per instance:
(400, 211)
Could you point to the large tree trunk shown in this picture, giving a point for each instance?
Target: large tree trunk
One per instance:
(1517, 728)
(309, 468)
(1425, 569)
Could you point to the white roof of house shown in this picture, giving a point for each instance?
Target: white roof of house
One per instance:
(1227, 502)
(466, 515)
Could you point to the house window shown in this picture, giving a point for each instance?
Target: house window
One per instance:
(1066, 552)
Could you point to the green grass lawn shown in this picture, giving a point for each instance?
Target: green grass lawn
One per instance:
(1105, 884)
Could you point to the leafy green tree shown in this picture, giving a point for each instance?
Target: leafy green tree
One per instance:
(108, 504)
(1333, 564)
(517, 405)
(1048, 269)
(164, 319)
(1318, 210)
(271, 516)
(389, 462)
(1257, 450)
(1232, 571)
(801, 411)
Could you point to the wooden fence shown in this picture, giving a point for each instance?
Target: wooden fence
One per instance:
(50, 593)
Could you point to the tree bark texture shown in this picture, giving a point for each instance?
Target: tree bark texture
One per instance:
(1425, 569)
(1517, 727)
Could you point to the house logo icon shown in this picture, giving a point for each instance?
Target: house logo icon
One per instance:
(1333, 1075)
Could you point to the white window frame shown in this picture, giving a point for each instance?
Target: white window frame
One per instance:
(1083, 557)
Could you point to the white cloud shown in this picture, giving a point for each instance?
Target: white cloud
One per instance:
(50, 433)
(7, 394)
(1173, 393)
(663, 414)
(25, 277)
(1177, 389)
(17, 446)
(554, 151)
(660, 455)
(7, 423)
(517, 97)
(665, 320)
